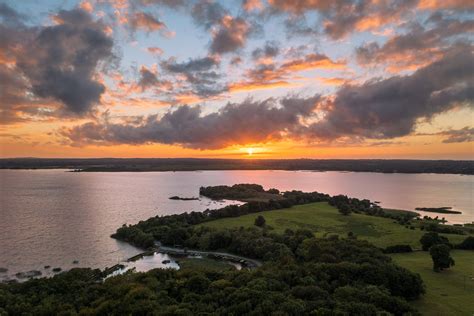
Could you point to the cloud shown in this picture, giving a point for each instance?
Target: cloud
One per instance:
(175, 4)
(462, 135)
(61, 61)
(231, 35)
(341, 17)
(446, 4)
(419, 46)
(147, 78)
(9, 16)
(192, 65)
(208, 13)
(248, 122)
(251, 5)
(313, 61)
(390, 107)
(51, 70)
(228, 33)
(378, 109)
(155, 50)
(147, 22)
(269, 75)
(271, 49)
(201, 74)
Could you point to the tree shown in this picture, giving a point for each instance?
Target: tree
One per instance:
(344, 209)
(467, 244)
(431, 239)
(441, 257)
(260, 221)
(273, 191)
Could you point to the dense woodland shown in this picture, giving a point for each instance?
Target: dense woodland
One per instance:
(301, 275)
(182, 164)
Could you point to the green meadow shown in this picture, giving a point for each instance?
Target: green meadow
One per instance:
(323, 220)
(450, 292)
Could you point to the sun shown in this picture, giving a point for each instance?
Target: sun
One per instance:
(250, 151)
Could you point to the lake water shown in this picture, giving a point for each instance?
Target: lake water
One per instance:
(54, 217)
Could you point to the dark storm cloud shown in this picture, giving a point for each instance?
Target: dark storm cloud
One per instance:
(247, 122)
(55, 63)
(61, 61)
(391, 107)
(420, 43)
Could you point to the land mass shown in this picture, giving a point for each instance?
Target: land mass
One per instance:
(313, 254)
(193, 164)
(442, 210)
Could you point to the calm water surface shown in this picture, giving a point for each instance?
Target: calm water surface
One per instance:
(53, 217)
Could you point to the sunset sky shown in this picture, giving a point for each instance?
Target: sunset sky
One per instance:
(230, 79)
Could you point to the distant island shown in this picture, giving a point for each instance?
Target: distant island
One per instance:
(193, 164)
(443, 210)
(175, 197)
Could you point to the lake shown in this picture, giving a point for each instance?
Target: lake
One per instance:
(54, 217)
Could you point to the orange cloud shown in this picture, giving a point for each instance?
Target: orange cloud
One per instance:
(147, 22)
(371, 22)
(187, 98)
(336, 81)
(249, 86)
(446, 4)
(250, 5)
(87, 6)
(155, 50)
(313, 61)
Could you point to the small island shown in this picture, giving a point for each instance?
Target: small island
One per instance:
(175, 197)
(442, 210)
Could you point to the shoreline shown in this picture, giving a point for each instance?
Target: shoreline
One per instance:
(402, 166)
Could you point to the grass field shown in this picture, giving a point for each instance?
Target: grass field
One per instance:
(324, 219)
(450, 292)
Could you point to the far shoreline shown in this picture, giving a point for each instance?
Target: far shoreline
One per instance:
(385, 166)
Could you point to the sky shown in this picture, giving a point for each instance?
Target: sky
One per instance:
(237, 79)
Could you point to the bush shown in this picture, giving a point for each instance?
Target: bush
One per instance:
(467, 244)
(260, 221)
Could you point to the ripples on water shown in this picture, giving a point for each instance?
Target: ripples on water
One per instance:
(53, 217)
